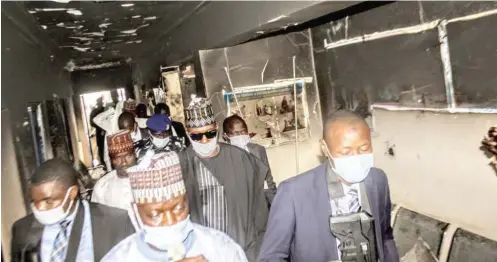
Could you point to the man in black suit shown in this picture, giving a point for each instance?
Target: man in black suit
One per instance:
(299, 221)
(236, 133)
(178, 127)
(64, 227)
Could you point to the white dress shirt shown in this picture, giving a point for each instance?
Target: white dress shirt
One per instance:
(85, 250)
(114, 191)
(214, 245)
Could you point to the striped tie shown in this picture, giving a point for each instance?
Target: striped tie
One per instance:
(60, 244)
(354, 205)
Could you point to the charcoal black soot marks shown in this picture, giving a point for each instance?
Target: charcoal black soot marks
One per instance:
(390, 150)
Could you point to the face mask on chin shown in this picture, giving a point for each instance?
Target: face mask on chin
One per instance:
(205, 150)
(54, 215)
(353, 169)
(240, 141)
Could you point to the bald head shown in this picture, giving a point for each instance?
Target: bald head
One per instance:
(346, 133)
(126, 121)
(233, 122)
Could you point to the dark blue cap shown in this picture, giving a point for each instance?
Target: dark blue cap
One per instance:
(159, 123)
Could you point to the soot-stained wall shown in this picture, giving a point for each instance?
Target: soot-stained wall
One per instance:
(32, 66)
(256, 63)
(105, 79)
(262, 62)
(362, 61)
(407, 69)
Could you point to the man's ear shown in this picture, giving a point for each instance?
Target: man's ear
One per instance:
(226, 138)
(74, 192)
(324, 147)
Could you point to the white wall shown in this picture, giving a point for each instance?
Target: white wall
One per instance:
(282, 158)
(438, 169)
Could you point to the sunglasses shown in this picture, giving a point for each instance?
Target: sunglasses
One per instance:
(209, 135)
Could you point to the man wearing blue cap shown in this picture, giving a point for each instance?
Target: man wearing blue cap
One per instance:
(161, 137)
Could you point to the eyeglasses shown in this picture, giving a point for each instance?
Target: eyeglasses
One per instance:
(209, 135)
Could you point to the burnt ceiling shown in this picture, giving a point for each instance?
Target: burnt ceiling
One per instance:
(154, 33)
(98, 31)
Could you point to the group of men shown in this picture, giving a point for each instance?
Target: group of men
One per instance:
(192, 198)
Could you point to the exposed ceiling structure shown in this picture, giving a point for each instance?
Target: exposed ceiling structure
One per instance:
(94, 31)
(164, 32)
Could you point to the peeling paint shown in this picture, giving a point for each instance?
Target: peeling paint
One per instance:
(81, 38)
(136, 16)
(104, 25)
(150, 18)
(277, 18)
(132, 31)
(134, 42)
(74, 12)
(94, 34)
(77, 48)
(51, 9)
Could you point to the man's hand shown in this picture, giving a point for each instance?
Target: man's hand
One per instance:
(194, 259)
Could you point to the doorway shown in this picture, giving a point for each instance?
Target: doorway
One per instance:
(93, 104)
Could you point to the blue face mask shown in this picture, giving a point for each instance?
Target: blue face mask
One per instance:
(169, 238)
(353, 169)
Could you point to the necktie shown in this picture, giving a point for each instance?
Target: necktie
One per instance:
(60, 244)
(354, 205)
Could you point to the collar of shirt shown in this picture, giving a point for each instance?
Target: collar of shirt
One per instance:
(50, 233)
(347, 188)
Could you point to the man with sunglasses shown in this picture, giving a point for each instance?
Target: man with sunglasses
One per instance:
(225, 184)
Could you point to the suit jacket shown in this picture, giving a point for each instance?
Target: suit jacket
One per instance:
(109, 226)
(298, 227)
(260, 152)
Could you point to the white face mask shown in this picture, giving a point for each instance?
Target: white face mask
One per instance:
(205, 150)
(240, 141)
(353, 169)
(166, 237)
(54, 215)
(160, 142)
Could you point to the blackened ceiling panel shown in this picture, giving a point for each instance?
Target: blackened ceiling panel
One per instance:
(88, 81)
(473, 51)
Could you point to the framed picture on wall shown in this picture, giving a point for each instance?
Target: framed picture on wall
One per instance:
(276, 114)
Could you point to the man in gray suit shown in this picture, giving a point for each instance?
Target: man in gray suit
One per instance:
(236, 133)
(64, 227)
(298, 228)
